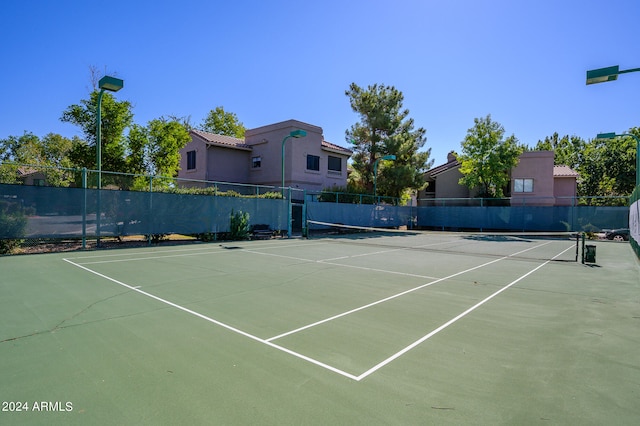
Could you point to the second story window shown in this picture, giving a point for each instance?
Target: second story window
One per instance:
(256, 162)
(334, 164)
(313, 162)
(191, 160)
(523, 185)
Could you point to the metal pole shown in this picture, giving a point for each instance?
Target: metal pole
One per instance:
(150, 236)
(289, 215)
(98, 138)
(637, 159)
(98, 162)
(84, 208)
(375, 180)
(305, 230)
(283, 141)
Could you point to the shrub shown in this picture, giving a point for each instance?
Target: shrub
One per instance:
(13, 223)
(239, 226)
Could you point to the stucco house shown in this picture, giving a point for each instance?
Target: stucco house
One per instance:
(32, 177)
(534, 181)
(310, 162)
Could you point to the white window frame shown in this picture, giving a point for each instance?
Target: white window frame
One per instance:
(523, 185)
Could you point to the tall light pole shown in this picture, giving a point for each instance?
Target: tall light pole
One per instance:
(613, 136)
(294, 134)
(602, 75)
(375, 173)
(111, 84)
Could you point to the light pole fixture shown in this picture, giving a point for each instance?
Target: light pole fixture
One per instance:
(602, 75)
(294, 134)
(613, 136)
(375, 173)
(111, 84)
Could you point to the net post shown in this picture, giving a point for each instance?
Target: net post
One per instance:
(583, 238)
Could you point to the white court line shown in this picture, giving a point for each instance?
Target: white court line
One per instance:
(377, 302)
(401, 294)
(386, 299)
(451, 321)
(203, 251)
(326, 262)
(221, 324)
(269, 342)
(395, 249)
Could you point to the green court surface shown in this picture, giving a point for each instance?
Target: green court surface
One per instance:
(292, 332)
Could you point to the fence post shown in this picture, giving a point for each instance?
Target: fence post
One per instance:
(289, 214)
(304, 214)
(150, 235)
(84, 208)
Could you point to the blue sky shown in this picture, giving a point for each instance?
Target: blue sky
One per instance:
(522, 61)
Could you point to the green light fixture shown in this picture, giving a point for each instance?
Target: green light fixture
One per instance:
(111, 84)
(602, 75)
(294, 134)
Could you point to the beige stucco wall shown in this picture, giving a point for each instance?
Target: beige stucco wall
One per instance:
(227, 164)
(266, 142)
(565, 187)
(536, 165)
(200, 172)
(448, 186)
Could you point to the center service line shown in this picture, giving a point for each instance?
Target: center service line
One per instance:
(453, 320)
(386, 299)
(221, 324)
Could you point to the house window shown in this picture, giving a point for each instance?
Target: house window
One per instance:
(256, 162)
(191, 160)
(313, 162)
(523, 185)
(38, 182)
(335, 164)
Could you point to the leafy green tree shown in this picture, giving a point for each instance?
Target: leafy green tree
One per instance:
(138, 161)
(385, 129)
(116, 117)
(166, 139)
(569, 150)
(609, 166)
(154, 150)
(220, 122)
(51, 151)
(487, 158)
(606, 166)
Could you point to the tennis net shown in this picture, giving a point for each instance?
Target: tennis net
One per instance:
(553, 246)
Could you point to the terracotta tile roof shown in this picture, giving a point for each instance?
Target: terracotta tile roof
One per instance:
(564, 171)
(335, 147)
(442, 168)
(222, 140)
(26, 170)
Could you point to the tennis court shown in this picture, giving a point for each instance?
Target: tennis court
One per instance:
(335, 329)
